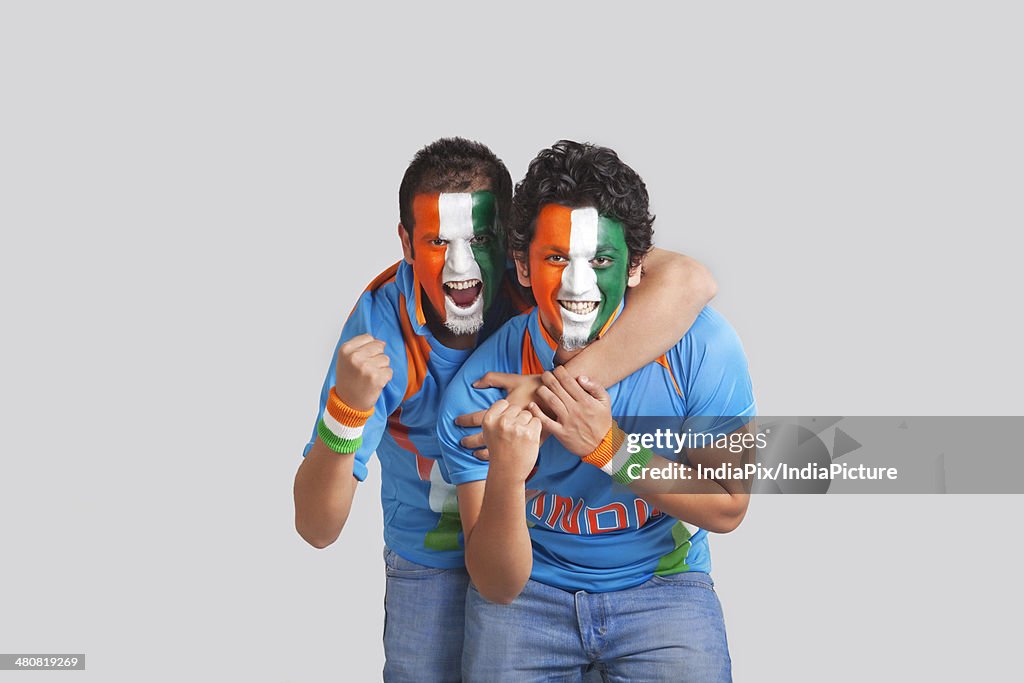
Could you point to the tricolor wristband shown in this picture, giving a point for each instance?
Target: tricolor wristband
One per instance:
(612, 457)
(341, 427)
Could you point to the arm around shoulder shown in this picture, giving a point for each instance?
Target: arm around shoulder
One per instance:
(662, 307)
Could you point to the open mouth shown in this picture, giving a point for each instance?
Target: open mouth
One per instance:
(463, 292)
(579, 307)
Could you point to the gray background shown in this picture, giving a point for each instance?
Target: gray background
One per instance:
(193, 193)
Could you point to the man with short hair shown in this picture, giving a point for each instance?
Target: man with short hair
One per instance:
(408, 334)
(608, 568)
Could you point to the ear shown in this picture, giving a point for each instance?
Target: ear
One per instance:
(635, 273)
(522, 271)
(406, 243)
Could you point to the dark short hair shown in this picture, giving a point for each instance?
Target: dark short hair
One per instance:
(453, 165)
(581, 174)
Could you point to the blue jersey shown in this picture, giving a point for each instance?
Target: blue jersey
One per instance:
(421, 521)
(587, 532)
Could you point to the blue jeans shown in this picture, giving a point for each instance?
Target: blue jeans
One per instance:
(424, 617)
(667, 629)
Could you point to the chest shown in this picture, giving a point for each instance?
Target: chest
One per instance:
(413, 425)
(645, 402)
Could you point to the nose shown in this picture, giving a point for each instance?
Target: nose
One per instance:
(578, 277)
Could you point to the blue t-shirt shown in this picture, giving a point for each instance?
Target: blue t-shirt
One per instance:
(421, 520)
(587, 532)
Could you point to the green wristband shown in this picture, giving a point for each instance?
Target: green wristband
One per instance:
(334, 443)
(641, 458)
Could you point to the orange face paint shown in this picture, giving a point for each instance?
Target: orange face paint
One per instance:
(428, 255)
(550, 239)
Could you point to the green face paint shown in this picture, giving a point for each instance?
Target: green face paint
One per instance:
(486, 244)
(611, 268)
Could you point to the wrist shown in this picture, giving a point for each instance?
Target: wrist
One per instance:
(341, 427)
(601, 457)
(506, 478)
(612, 456)
(598, 450)
(578, 365)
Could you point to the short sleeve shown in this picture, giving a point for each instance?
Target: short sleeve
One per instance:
(372, 315)
(711, 366)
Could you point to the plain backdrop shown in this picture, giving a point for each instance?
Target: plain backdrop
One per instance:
(192, 195)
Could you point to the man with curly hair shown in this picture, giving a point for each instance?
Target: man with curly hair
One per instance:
(410, 331)
(608, 569)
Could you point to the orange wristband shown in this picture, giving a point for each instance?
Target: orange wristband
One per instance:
(344, 414)
(609, 445)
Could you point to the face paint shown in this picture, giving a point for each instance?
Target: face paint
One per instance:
(579, 265)
(457, 257)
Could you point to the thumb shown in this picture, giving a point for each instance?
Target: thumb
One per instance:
(594, 389)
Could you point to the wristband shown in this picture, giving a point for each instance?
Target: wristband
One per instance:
(341, 427)
(601, 457)
(641, 458)
(614, 459)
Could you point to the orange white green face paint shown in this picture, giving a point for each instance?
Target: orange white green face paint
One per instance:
(579, 267)
(457, 258)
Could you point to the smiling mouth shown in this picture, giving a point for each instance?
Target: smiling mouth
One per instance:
(463, 292)
(579, 307)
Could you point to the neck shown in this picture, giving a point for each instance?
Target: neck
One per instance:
(442, 334)
(562, 356)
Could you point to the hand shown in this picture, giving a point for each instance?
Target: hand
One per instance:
(582, 410)
(521, 390)
(363, 371)
(513, 439)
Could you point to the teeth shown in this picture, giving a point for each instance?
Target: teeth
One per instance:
(464, 284)
(579, 307)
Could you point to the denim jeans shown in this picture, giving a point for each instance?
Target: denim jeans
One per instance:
(424, 617)
(667, 629)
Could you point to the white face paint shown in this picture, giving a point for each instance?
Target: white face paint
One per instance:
(461, 271)
(579, 282)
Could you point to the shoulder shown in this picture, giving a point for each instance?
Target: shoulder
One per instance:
(501, 352)
(378, 313)
(375, 313)
(711, 329)
(711, 340)
(382, 295)
(505, 344)
(711, 366)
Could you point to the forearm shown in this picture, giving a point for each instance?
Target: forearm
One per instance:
(705, 502)
(324, 487)
(499, 556)
(661, 309)
(686, 491)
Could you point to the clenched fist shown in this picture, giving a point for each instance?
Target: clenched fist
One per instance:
(512, 436)
(362, 372)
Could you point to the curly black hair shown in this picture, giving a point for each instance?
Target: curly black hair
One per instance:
(581, 174)
(453, 165)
